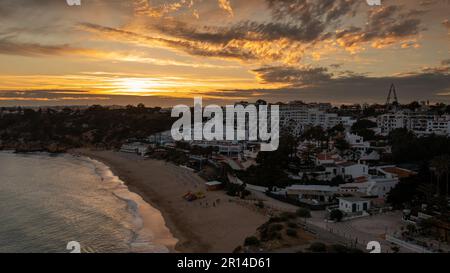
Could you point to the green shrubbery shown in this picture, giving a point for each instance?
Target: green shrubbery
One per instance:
(304, 213)
(336, 215)
(251, 241)
(291, 232)
(318, 247)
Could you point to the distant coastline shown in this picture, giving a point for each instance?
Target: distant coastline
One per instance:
(214, 224)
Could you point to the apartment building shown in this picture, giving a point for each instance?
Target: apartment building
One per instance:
(420, 123)
(299, 116)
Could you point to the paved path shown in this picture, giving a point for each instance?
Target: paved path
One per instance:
(357, 233)
(364, 230)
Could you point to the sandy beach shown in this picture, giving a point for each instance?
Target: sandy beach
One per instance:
(213, 224)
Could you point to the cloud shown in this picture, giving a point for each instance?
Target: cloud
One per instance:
(32, 49)
(345, 86)
(443, 68)
(295, 27)
(292, 76)
(165, 8)
(145, 7)
(245, 30)
(385, 26)
(446, 24)
(311, 11)
(281, 37)
(8, 47)
(231, 51)
(49, 96)
(226, 5)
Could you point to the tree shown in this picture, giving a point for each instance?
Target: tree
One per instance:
(404, 192)
(343, 249)
(363, 124)
(413, 105)
(337, 180)
(406, 147)
(271, 165)
(336, 215)
(303, 213)
(318, 247)
(315, 133)
(363, 128)
(251, 241)
(440, 166)
(291, 232)
(341, 144)
(336, 130)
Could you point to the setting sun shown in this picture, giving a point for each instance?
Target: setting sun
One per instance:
(143, 86)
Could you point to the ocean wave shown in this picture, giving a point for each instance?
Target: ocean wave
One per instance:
(142, 239)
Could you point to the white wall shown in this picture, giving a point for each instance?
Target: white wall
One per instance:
(347, 207)
(354, 171)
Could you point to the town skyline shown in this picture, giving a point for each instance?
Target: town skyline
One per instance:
(163, 53)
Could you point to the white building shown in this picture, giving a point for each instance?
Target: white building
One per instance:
(135, 148)
(161, 138)
(362, 150)
(352, 170)
(357, 142)
(421, 124)
(313, 194)
(299, 116)
(371, 186)
(380, 184)
(229, 148)
(389, 122)
(354, 204)
(439, 126)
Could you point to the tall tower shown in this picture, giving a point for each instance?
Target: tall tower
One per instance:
(392, 104)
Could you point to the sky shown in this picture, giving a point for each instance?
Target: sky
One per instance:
(162, 53)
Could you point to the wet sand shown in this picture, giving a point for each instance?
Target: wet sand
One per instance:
(213, 224)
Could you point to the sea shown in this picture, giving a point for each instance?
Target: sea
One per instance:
(65, 204)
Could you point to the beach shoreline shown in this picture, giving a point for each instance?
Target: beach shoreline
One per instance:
(214, 224)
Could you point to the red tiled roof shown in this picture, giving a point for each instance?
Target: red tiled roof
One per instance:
(402, 173)
(360, 179)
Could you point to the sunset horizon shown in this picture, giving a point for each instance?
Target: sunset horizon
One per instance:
(130, 52)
